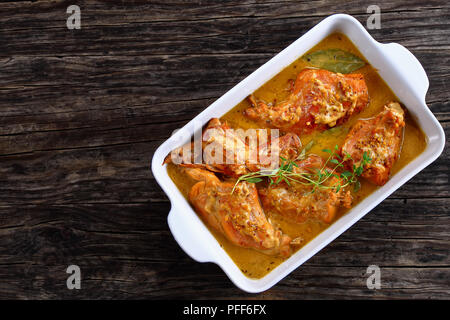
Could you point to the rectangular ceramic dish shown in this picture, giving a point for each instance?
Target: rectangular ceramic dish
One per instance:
(399, 69)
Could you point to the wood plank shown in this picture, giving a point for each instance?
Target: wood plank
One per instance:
(233, 35)
(159, 281)
(40, 81)
(127, 251)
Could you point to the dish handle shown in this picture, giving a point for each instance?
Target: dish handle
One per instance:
(410, 66)
(183, 230)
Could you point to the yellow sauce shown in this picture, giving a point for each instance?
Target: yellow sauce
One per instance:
(255, 264)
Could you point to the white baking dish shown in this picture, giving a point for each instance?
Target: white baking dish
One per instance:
(401, 71)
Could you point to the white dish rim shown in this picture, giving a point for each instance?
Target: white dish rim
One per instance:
(398, 68)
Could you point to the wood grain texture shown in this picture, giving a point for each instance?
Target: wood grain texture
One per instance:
(82, 111)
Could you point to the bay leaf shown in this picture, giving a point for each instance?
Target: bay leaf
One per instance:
(335, 60)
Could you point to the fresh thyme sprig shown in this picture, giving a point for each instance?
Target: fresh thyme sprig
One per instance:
(316, 179)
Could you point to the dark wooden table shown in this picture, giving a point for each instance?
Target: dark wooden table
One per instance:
(82, 111)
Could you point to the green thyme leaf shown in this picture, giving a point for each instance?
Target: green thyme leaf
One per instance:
(254, 180)
(346, 174)
(335, 161)
(359, 170)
